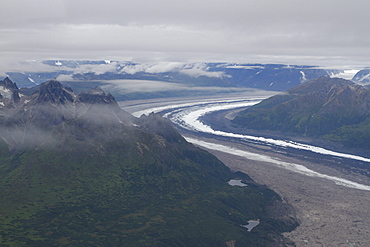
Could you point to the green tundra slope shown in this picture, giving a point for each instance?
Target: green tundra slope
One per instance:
(331, 108)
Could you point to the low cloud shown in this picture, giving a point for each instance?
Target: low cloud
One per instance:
(131, 86)
(38, 66)
(97, 68)
(163, 67)
(64, 78)
(147, 86)
(27, 136)
(29, 66)
(152, 68)
(198, 70)
(193, 70)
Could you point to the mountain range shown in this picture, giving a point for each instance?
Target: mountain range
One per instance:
(330, 108)
(76, 170)
(277, 77)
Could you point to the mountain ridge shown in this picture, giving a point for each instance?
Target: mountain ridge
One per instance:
(76, 170)
(317, 108)
(277, 77)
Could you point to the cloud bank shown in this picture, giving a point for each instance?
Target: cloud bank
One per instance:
(193, 70)
(292, 32)
(147, 86)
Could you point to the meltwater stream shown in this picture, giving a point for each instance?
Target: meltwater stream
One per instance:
(187, 116)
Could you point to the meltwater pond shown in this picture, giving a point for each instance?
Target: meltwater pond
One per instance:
(237, 182)
(251, 224)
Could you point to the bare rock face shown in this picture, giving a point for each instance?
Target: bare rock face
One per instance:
(9, 92)
(96, 96)
(335, 95)
(52, 91)
(56, 114)
(7, 83)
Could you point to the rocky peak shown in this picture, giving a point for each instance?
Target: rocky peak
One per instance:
(320, 85)
(9, 91)
(8, 84)
(53, 91)
(54, 110)
(96, 96)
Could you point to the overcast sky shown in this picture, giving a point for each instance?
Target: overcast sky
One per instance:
(314, 32)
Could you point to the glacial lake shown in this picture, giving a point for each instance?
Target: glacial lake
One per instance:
(237, 182)
(251, 224)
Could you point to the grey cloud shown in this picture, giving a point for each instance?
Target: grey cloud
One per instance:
(193, 70)
(132, 86)
(28, 136)
(195, 30)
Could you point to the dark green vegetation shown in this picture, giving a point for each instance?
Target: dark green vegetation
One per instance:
(75, 170)
(331, 108)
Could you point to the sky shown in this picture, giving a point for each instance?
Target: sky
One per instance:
(331, 33)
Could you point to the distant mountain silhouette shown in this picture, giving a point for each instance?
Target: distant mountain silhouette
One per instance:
(277, 77)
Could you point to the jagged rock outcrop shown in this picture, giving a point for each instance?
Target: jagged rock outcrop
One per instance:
(9, 93)
(53, 92)
(96, 96)
(7, 83)
(56, 113)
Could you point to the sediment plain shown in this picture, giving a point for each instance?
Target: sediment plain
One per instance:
(329, 215)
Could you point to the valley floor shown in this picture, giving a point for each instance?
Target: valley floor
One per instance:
(330, 215)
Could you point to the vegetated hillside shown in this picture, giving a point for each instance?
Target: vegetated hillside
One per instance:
(76, 170)
(332, 108)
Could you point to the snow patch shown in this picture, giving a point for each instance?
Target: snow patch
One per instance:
(5, 92)
(303, 79)
(347, 74)
(244, 67)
